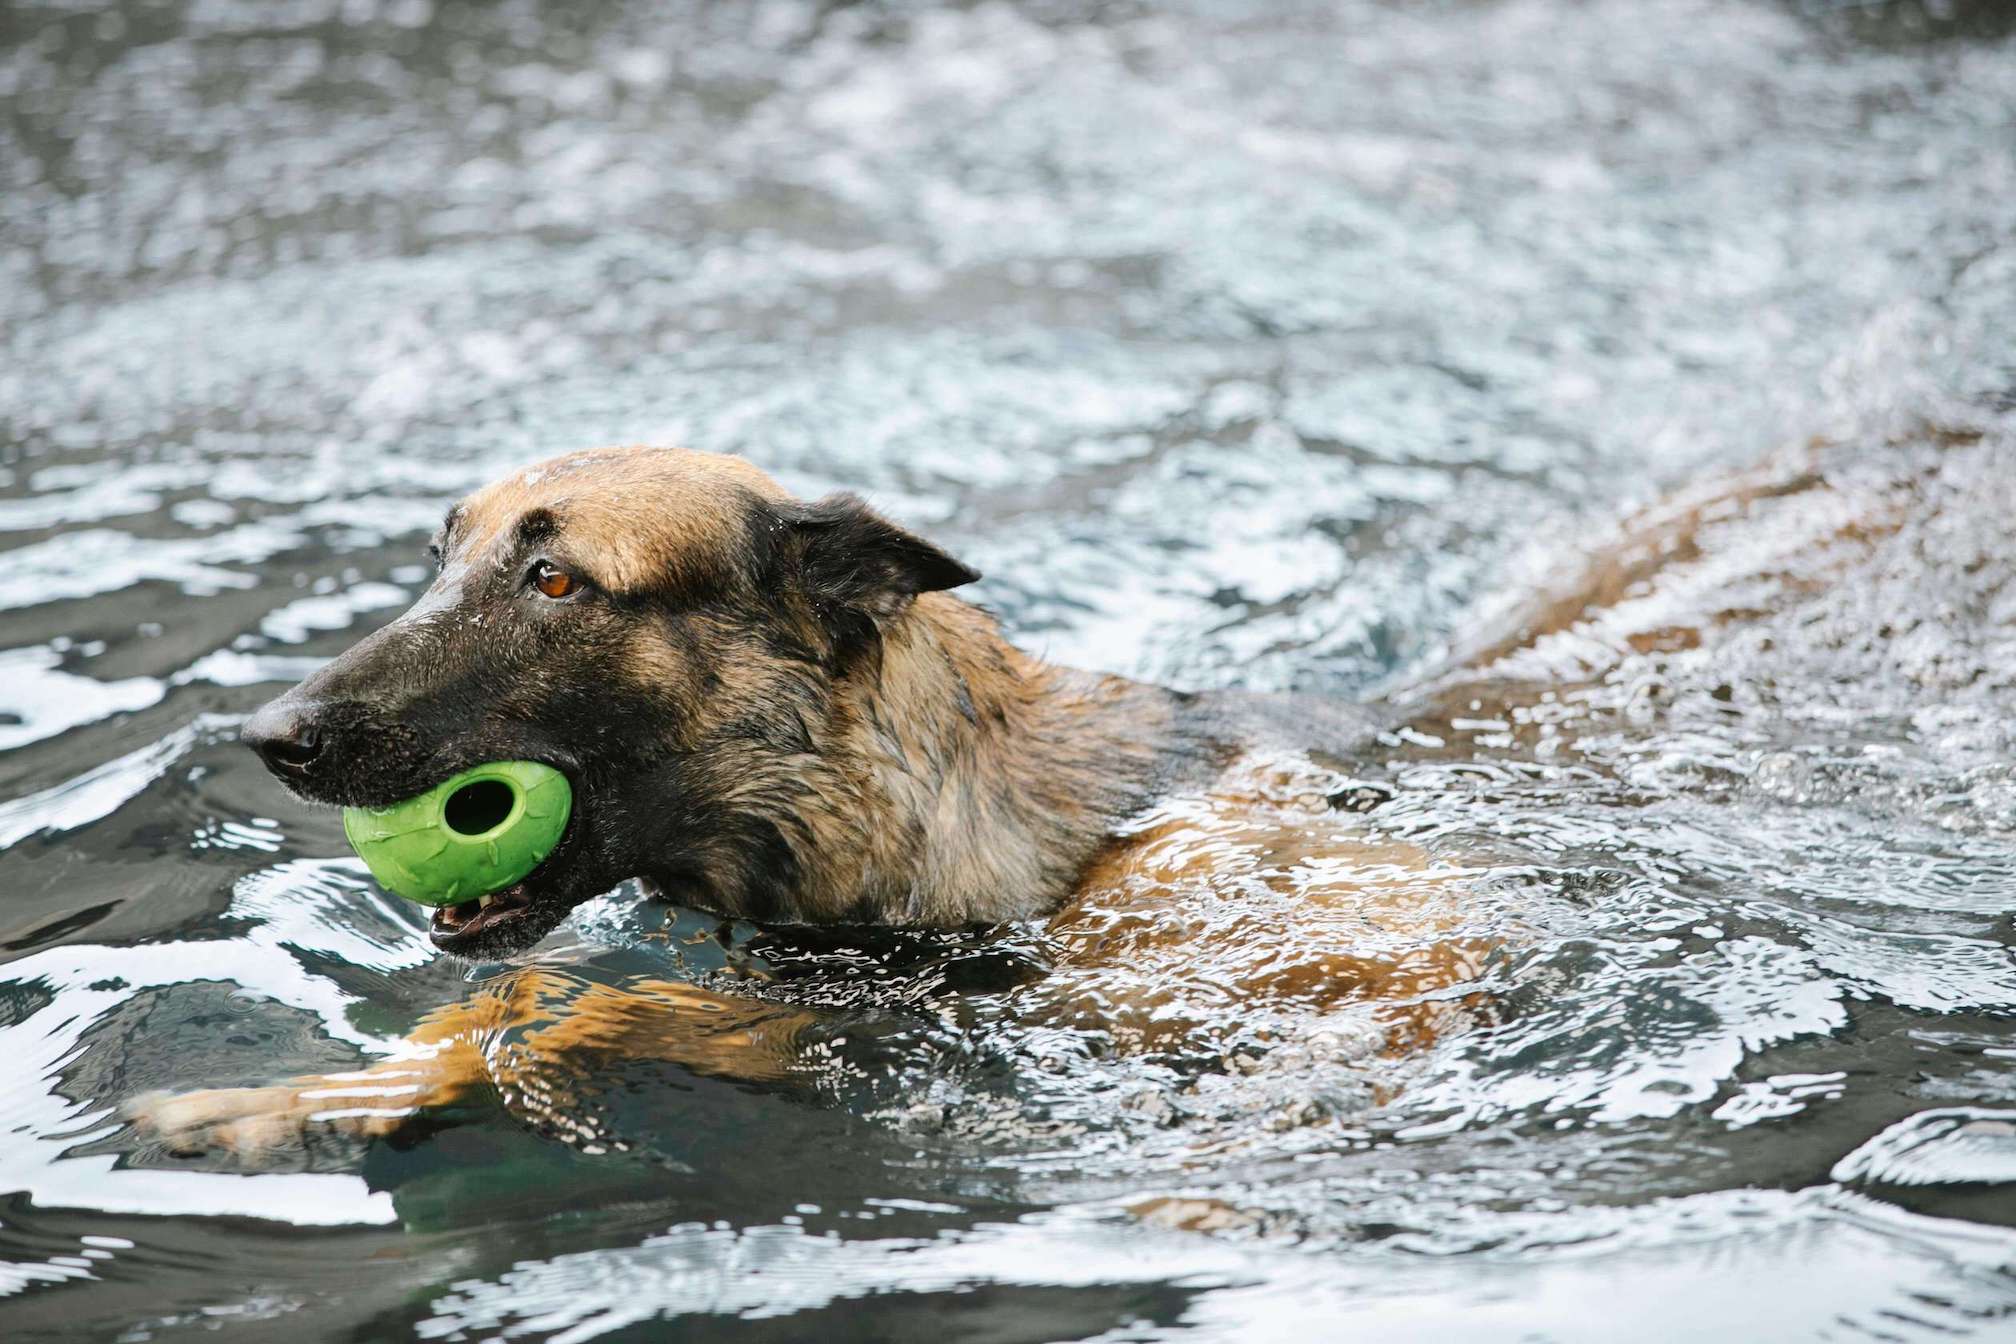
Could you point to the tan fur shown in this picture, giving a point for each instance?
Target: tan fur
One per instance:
(1257, 897)
(527, 1037)
(955, 781)
(1736, 551)
(945, 816)
(637, 514)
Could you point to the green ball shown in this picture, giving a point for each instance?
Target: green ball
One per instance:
(467, 836)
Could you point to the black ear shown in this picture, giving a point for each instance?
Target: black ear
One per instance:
(852, 558)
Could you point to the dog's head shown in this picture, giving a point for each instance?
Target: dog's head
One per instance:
(666, 628)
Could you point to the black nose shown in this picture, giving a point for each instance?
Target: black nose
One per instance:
(286, 735)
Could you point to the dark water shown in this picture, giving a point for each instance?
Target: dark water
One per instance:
(1240, 345)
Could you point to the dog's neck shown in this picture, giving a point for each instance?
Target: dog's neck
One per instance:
(973, 782)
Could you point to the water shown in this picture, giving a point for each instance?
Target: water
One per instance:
(1271, 346)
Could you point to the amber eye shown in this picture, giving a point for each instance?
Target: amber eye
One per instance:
(553, 581)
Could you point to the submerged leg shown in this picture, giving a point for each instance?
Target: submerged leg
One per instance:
(528, 1037)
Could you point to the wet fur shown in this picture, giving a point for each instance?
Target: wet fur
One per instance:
(811, 730)
(770, 709)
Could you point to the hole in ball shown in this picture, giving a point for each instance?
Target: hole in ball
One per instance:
(478, 807)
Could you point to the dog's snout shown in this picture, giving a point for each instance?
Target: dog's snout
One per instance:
(286, 735)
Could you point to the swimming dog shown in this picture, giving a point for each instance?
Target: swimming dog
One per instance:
(780, 712)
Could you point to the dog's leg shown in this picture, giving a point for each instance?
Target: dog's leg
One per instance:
(251, 1120)
(525, 1036)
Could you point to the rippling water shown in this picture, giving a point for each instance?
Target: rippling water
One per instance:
(1262, 346)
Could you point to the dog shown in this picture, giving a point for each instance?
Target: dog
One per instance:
(779, 711)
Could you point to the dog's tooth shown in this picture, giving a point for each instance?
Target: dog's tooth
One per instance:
(483, 902)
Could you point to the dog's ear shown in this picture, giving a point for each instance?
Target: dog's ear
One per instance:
(852, 559)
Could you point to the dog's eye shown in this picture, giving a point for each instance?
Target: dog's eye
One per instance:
(553, 581)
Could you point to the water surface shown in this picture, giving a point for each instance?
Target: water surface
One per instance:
(1265, 346)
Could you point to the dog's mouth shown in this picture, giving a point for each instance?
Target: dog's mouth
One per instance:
(454, 925)
(514, 917)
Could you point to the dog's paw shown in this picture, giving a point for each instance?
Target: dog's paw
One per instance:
(246, 1121)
